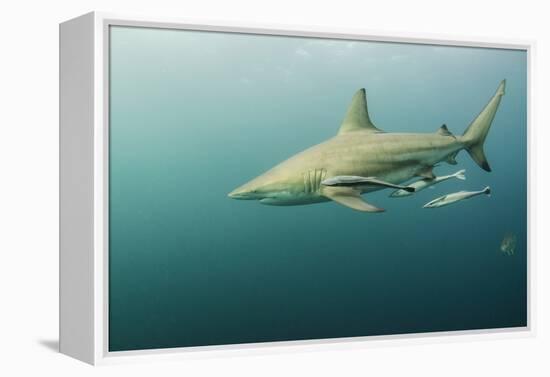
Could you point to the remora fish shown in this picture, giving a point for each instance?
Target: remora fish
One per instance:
(354, 181)
(361, 149)
(424, 183)
(445, 200)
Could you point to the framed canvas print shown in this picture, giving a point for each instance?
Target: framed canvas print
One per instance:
(233, 186)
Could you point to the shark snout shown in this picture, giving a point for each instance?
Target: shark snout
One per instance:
(261, 187)
(243, 193)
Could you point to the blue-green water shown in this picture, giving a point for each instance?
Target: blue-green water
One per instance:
(195, 114)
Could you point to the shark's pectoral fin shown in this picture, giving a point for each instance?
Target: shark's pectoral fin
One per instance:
(349, 197)
(356, 181)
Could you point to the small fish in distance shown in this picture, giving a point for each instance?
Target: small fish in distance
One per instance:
(508, 244)
(445, 200)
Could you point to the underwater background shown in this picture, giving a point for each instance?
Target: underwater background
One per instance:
(195, 114)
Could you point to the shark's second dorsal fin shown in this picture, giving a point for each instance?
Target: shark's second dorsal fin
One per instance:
(444, 131)
(357, 117)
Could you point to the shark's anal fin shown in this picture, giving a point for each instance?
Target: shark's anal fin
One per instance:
(451, 159)
(349, 197)
(356, 181)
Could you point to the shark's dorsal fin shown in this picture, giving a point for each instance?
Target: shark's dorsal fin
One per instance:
(357, 117)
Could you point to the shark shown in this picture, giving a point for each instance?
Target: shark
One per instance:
(363, 158)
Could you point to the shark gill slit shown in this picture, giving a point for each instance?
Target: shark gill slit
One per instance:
(318, 179)
(318, 175)
(313, 179)
(321, 179)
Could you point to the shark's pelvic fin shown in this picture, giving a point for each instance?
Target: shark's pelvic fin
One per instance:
(357, 118)
(355, 181)
(426, 172)
(349, 197)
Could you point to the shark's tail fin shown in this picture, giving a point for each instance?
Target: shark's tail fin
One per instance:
(487, 190)
(477, 131)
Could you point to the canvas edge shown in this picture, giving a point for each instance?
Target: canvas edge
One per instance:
(531, 193)
(76, 155)
(312, 31)
(102, 21)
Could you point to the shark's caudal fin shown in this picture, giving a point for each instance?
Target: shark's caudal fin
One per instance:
(477, 131)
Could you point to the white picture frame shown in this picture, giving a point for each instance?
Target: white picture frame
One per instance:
(84, 53)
